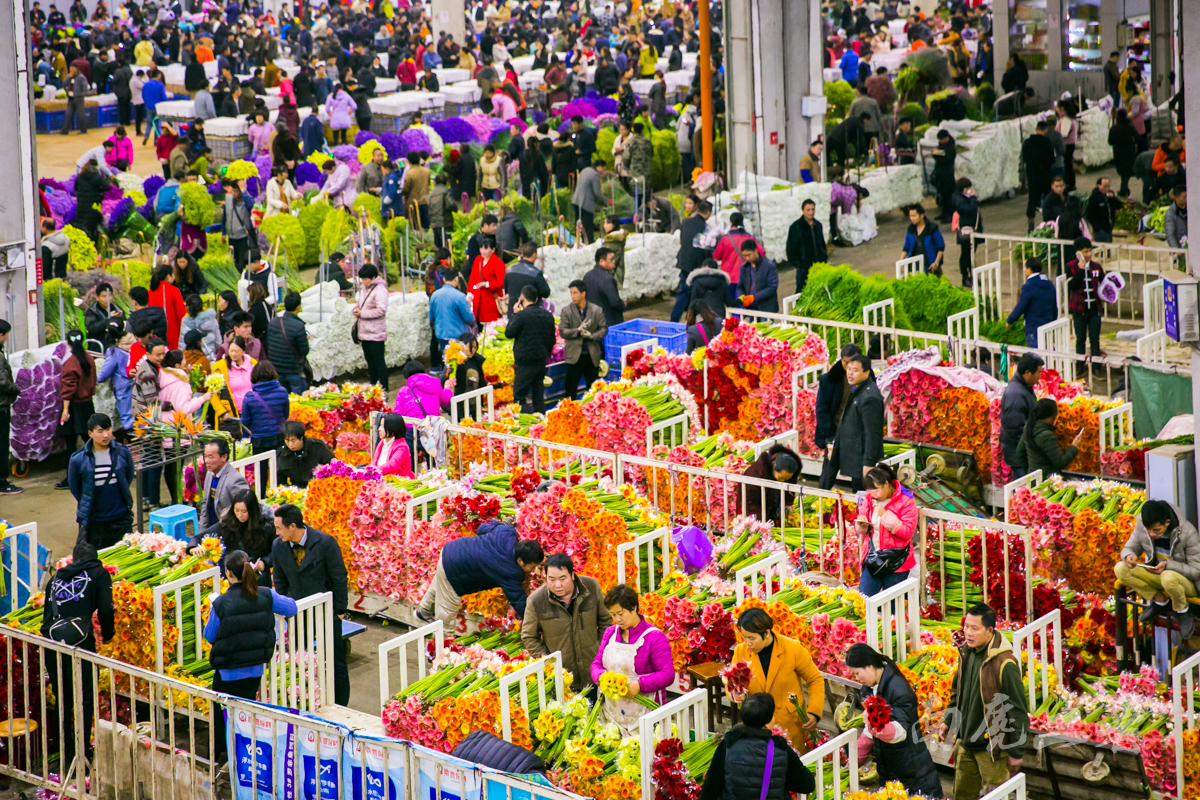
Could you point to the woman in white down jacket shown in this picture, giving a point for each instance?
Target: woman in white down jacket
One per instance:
(280, 193)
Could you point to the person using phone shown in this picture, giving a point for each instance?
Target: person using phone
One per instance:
(1038, 448)
(1171, 572)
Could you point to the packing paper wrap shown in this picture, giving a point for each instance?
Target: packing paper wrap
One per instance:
(650, 266)
(333, 353)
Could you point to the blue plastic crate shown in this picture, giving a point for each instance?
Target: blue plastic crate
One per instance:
(110, 116)
(672, 337)
(49, 121)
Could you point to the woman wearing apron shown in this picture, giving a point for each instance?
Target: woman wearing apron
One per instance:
(636, 649)
(781, 667)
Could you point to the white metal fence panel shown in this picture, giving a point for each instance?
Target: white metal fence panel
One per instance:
(688, 715)
(300, 675)
(894, 620)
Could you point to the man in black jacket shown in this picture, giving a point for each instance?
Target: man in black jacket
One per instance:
(805, 244)
(99, 476)
(304, 562)
(1102, 210)
(532, 330)
(287, 342)
(119, 83)
(833, 393)
(300, 455)
(486, 232)
(694, 247)
(494, 559)
(584, 140)
(1055, 201)
(858, 445)
(90, 187)
(525, 273)
(1015, 408)
(602, 287)
(1038, 154)
(739, 766)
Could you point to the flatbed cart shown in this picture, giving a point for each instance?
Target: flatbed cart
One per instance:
(944, 479)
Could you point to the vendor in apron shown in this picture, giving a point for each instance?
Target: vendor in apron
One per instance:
(781, 667)
(636, 649)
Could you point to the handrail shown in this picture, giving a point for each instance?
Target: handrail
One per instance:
(776, 562)
(1034, 639)
(663, 536)
(1030, 479)
(303, 657)
(816, 760)
(177, 587)
(942, 518)
(518, 677)
(435, 630)
(253, 461)
(690, 714)
(892, 611)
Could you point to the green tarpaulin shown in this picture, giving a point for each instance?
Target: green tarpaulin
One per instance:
(1157, 396)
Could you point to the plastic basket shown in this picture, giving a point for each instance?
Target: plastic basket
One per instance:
(229, 148)
(49, 121)
(110, 116)
(382, 123)
(672, 337)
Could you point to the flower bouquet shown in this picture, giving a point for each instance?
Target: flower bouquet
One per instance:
(615, 686)
(737, 678)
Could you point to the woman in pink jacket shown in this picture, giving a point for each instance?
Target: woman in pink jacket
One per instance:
(371, 312)
(174, 387)
(260, 134)
(392, 456)
(340, 109)
(422, 395)
(887, 519)
(121, 155)
(636, 649)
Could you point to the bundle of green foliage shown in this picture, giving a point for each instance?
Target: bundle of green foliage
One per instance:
(838, 97)
(914, 113)
(605, 138)
(197, 205)
(312, 217)
(287, 231)
(986, 95)
(664, 167)
(220, 271)
(337, 226)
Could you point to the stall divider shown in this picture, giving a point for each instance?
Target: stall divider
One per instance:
(177, 589)
(303, 660)
(689, 716)
(890, 614)
(434, 630)
(826, 763)
(1035, 640)
(533, 668)
(662, 537)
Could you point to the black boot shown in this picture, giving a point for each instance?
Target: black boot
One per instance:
(1153, 611)
(1187, 624)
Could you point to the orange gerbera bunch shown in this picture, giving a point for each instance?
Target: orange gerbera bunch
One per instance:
(604, 532)
(651, 607)
(567, 425)
(1095, 548)
(787, 622)
(960, 420)
(491, 603)
(746, 424)
(327, 506)
(1081, 412)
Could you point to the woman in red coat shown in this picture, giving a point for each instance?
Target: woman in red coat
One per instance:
(164, 295)
(487, 282)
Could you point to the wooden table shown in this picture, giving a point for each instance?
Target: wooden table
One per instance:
(708, 675)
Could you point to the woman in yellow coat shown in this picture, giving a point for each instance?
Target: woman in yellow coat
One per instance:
(781, 666)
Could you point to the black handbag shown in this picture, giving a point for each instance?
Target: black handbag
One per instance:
(884, 563)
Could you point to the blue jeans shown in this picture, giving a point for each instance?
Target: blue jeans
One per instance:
(683, 298)
(869, 586)
(294, 383)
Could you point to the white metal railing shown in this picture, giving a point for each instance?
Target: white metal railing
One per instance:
(894, 619)
(985, 285)
(434, 630)
(266, 458)
(804, 380)
(1116, 426)
(472, 404)
(963, 330)
(675, 428)
(958, 527)
(646, 345)
(826, 762)
(1055, 337)
(775, 563)
(1040, 639)
(300, 675)
(1152, 348)
(661, 537)
(906, 267)
(1010, 489)
(1062, 296)
(880, 318)
(1185, 682)
(1013, 788)
(20, 542)
(790, 439)
(837, 333)
(536, 669)
(540, 454)
(906, 459)
(688, 715)
(1153, 307)
(177, 589)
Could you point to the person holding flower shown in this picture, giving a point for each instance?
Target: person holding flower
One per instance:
(236, 368)
(899, 750)
(636, 650)
(752, 759)
(1038, 448)
(887, 521)
(175, 386)
(784, 668)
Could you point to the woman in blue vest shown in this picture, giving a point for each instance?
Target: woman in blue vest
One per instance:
(241, 630)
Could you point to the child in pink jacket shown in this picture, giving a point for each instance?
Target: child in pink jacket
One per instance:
(392, 456)
(121, 155)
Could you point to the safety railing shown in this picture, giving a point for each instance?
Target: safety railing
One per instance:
(836, 333)
(300, 675)
(180, 592)
(1061, 296)
(1038, 646)
(1099, 374)
(1153, 347)
(1116, 426)
(827, 763)
(894, 619)
(647, 345)
(688, 715)
(1011, 789)
(906, 267)
(537, 669)
(671, 432)
(880, 318)
(985, 285)
(805, 380)
(658, 549)
(257, 479)
(22, 564)
(900, 461)
(435, 631)
(1153, 307)
(952, 564)
(963, 330)
(1138, 265)
(748, 576)
(470, 405)
(789, 439)
(1185, 684)
(1055, 337)
(561, 461)
(1010, 489)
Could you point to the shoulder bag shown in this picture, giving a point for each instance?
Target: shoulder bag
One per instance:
(883, 563)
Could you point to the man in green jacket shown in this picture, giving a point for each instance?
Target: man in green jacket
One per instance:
(566, 615)
(987, 708)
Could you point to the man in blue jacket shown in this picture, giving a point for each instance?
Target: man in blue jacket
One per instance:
(1038, 302)
(450, 313)
(493, 558)
(99, 475)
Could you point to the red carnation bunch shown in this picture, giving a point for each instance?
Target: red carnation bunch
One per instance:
(670, 776)
(737, 677)
(878, 712)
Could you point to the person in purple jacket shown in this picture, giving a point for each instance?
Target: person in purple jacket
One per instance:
(636, 649)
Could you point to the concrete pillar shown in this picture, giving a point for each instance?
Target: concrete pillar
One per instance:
(19, 204)
(773, 62)
(449, 17)
(1110, 16)
(1162, 59)
(1190, 41)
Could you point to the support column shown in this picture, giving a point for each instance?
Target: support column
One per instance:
(1191, 102)
(1162, 59)
(449, 16)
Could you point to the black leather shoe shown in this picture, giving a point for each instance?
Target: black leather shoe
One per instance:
(1152, 612)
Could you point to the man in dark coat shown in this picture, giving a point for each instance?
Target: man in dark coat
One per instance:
(1038, 154)
(739, 764)
(780, 463)
(1102, 209)
(90, 187)
(304, 562)
(1038, 302)
(710, 284)
(693, 249)
(602, 287)
(287, 342)
(525, 273)
(300, 455)
(858, 445)
(758, 284)
(462, 175)
(1015, 408)
(833, 394)
(533, 332)
(943, 172)
(100, 475)
(494, 558)
(806, 243)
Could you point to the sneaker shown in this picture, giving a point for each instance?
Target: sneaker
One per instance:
(421, 615)
(62, 484)
(1187, 625)
(10, 489)
(1152, 612)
